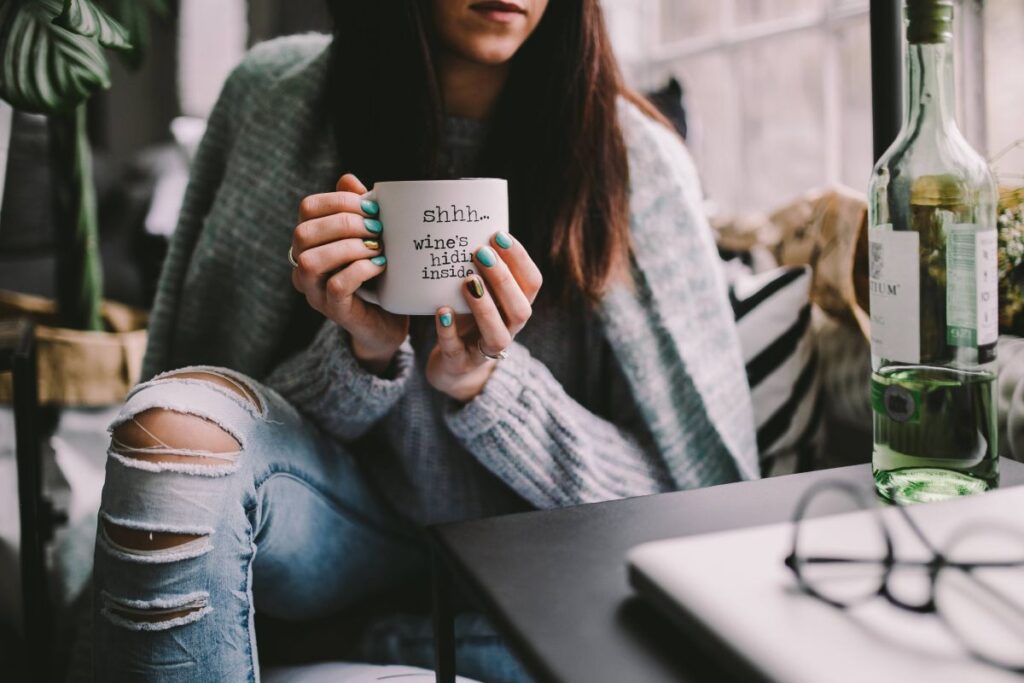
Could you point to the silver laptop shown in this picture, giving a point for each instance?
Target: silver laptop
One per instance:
(733, 593)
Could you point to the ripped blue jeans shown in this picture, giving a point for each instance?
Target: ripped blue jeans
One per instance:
(221, 499)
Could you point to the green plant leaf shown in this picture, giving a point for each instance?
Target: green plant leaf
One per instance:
(87, 19)
(134, 15)
(45, 68)
(161, 8)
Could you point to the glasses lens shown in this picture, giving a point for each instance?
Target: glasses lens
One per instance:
(841, 557)
(910, 579)
(984, 605)
(910, 585)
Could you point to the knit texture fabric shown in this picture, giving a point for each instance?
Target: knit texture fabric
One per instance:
(418, 457)
(225, 298)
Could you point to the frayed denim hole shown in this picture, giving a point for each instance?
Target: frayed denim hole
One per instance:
(140, 435)
(153, 526)
(225, 457)
(245, 404)
(198, 470)
(240, 380)
(166, 557)
(186, 550)
(131, 413)
(163, 625)
(148, 615)
(253, 400)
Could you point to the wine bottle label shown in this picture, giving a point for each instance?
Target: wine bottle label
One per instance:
(971, 286)
(895, 294)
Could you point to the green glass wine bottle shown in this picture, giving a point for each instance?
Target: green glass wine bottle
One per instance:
(932, 263)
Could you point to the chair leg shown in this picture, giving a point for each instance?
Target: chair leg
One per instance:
(444, 623)
(18, 353)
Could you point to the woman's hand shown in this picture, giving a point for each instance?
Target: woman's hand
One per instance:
(337, 247)
(456, 366)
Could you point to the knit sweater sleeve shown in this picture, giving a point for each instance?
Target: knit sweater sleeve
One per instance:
(551, 450)
(205, 176)
(323, 381)
(210, 173)
(329, 386)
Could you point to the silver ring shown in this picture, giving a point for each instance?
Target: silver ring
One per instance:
(291, 259)
(501, 355)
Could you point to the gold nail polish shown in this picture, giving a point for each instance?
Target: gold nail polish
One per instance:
(475, 288)
(372, 244)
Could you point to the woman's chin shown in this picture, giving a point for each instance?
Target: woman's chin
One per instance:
(492, 52)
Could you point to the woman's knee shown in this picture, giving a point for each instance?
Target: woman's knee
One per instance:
(170, 422)
(164, 435)
(161, 427)
(176, 428)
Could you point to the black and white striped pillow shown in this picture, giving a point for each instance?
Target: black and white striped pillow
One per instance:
(773, 316)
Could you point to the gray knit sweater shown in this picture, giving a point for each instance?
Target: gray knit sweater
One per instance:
(671, 331)
(416, 454)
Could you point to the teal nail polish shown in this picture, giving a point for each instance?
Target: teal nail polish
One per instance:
(373, 225)
(379, 260)
(446, 319)
(503, 240)
(486, 256)
(369, 206)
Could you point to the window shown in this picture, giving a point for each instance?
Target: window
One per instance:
(779, 91)
(1003, 22)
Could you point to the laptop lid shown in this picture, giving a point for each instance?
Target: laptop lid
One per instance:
(732, 591)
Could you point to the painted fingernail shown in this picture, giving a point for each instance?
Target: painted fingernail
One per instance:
(503, 240)
(372, 244)
(373, 225)
(369, 206)
(446, 319)
(475, 288)
(486, 256)
(379, 260)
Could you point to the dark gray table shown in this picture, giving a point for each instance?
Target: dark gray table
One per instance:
(554, 582)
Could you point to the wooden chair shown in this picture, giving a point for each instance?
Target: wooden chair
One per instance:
(38, 517)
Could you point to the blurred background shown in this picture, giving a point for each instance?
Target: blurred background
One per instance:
(777, 96)
(785, 85)
(767, 81)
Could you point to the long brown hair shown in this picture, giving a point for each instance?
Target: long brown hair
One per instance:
(554, 133)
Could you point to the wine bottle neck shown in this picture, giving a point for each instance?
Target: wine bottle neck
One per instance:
(931, 101)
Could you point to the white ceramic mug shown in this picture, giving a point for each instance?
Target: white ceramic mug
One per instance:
(431, 230)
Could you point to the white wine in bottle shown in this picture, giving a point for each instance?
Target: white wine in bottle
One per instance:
(932, 262)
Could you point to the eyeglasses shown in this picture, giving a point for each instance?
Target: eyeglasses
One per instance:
(975, 583)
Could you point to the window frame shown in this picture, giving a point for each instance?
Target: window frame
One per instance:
(650, 57)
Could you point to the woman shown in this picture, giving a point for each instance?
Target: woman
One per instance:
(294, 444)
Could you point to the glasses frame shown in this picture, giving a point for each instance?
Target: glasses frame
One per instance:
(933, 566)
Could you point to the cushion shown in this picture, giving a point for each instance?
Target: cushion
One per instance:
(344, 672)
(1010, 395)
(773, 316)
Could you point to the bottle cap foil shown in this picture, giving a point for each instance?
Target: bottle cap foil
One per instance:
(929, 21)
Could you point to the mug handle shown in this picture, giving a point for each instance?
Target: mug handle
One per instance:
(368, 295)
(365, 293)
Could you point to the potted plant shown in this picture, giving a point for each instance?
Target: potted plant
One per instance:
(52, 60)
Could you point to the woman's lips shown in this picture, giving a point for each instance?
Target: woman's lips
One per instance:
(503, 12)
